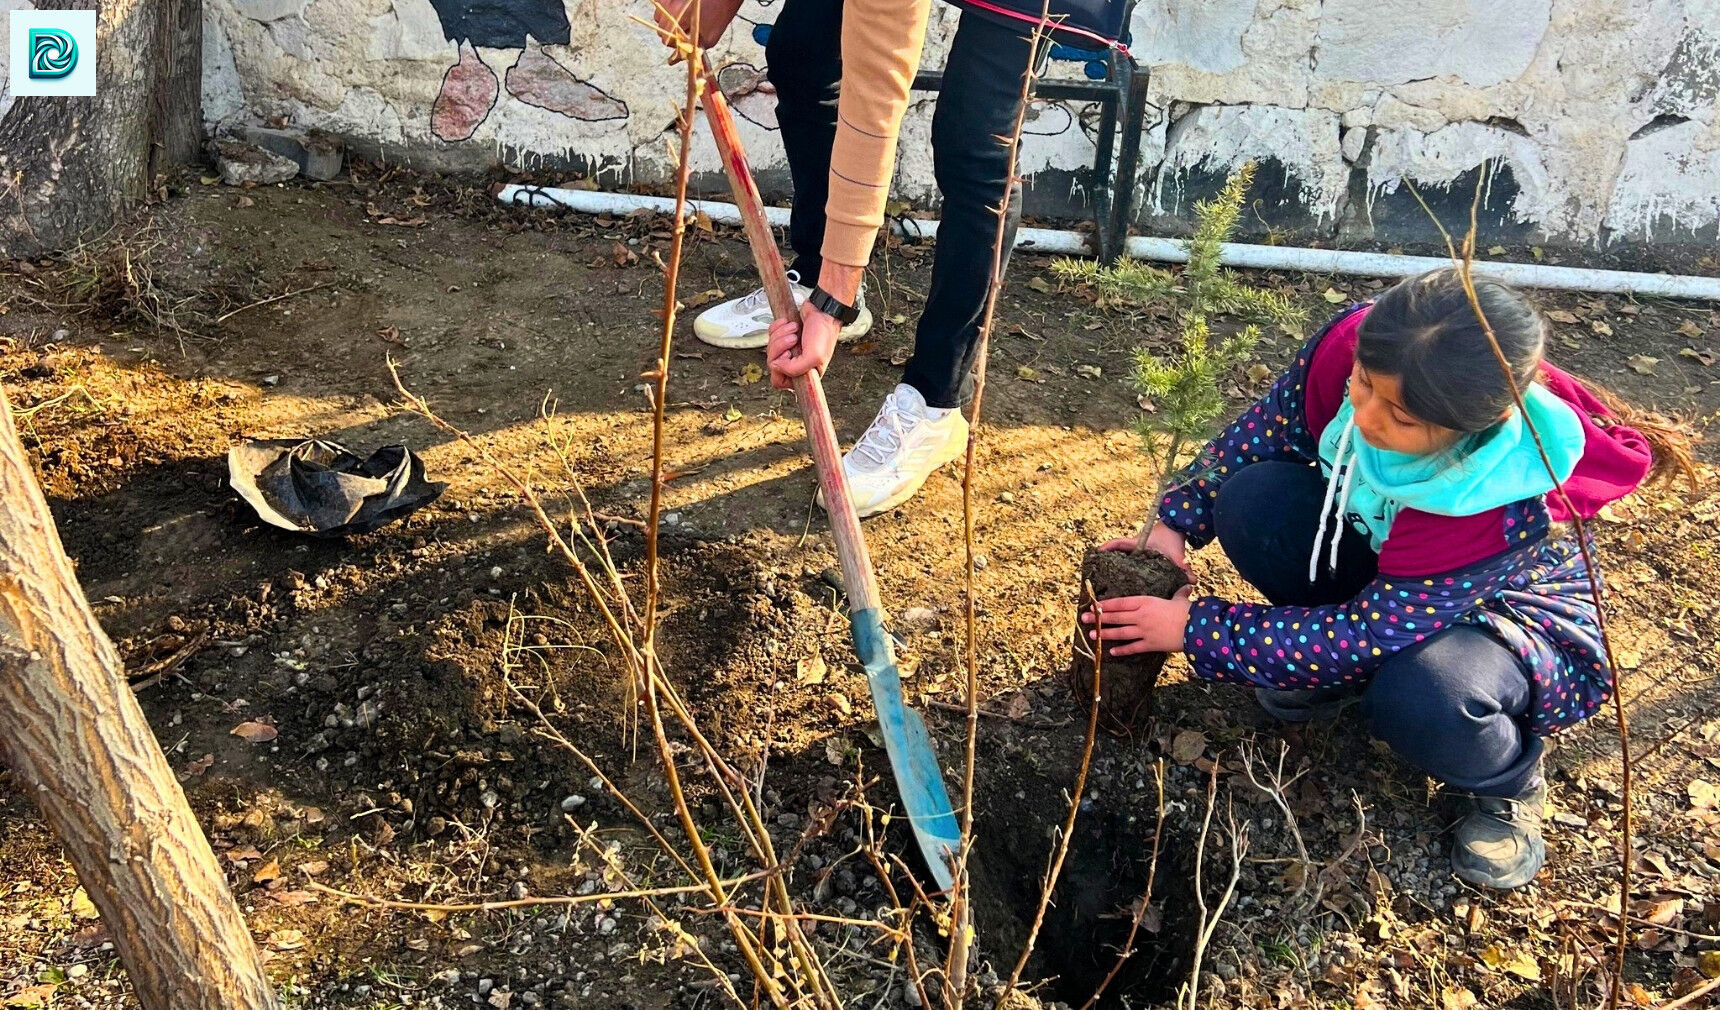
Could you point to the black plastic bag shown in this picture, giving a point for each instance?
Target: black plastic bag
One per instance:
(322, 488)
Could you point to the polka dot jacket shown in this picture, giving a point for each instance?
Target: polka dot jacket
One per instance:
(1499, 570)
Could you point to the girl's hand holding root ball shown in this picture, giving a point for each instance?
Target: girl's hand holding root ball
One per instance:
(1140, 623)
(1157, 537)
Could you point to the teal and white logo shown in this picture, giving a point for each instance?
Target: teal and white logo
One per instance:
(51, 52)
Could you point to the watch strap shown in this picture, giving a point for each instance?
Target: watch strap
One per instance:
(826, 303)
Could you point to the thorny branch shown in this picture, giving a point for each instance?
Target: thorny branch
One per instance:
(1464, 261)
(1144, 906)
(961, 928)
(1049, 884)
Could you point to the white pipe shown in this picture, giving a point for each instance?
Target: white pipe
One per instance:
(1233, 254)
(1366, 264)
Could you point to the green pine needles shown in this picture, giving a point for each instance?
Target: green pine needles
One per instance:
(1184, 385)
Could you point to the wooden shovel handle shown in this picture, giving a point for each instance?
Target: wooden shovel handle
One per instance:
(857, 575)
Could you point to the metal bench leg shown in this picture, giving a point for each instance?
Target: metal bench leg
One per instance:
(1103, 157)
(1131, 112)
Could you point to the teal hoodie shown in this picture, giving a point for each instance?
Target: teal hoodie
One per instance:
(1482, 471)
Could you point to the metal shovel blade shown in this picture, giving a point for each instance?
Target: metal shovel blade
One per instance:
(919, 778)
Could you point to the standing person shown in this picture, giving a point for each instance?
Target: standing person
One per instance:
(1445, 591)
(842, 70)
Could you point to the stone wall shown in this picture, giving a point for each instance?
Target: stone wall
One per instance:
(1590, 121)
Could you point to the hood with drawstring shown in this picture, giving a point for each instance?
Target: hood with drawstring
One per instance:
(1464, 538)
(1598, 461)
(1483, 471)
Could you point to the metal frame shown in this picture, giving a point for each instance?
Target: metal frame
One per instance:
(1122, 100)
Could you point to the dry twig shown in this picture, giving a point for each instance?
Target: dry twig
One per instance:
(961, 927)
(1464, 261)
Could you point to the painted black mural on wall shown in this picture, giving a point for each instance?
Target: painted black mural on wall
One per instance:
(503, 24)
(470, 89)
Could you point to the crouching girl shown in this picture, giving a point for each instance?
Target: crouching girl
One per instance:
(1388, 499)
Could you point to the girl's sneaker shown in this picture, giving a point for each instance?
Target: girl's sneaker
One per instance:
(1499, 843)
(745, 322)
(1320, 704)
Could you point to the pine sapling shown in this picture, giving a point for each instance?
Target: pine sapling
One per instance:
(1184, 385)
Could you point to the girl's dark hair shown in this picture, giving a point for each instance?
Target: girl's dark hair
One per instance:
(1424, 332)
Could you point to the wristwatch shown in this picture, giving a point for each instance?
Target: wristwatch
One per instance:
(826, 303)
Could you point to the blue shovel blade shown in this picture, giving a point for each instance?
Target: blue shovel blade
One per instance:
(919, 779)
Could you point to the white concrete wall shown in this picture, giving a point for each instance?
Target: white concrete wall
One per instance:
(1602, 117)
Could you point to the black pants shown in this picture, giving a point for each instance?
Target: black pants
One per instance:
(978, 103)
(1456, 706)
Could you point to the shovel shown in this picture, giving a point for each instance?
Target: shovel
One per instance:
(919, 779)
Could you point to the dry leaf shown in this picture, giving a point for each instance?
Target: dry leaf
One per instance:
(749, 375)
(1704, 795)
(1708, 963)
(1638, 994)
(82, 906)
(622, 255)
(702, 221)
(1023, 372)
(255, 732)
(1561, 316)
(810, 669)
(270, 870)
(1335, 296)
(1038, 283)
(293, 899)
(1703, 357)
(1188, 746)
(1664, 913)
(1524, 966)
(1258, 373)
(1688, 328)
(1497, 250)
(311, 869)
(1457, 998)
(196, 768)
(1642, 364)
(1600, 328)
(35, 996)
(835, 749)
(243, 855)
(1018, 706)
(1087, 371)
(286, 939)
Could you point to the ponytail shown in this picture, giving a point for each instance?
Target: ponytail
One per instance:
(1670, 440)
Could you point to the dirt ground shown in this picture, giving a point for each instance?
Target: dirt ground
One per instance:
(405, 769)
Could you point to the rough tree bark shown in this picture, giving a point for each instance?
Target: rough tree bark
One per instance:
(77, 741)
(70, 166)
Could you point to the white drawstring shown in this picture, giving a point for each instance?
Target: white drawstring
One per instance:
(1340, 475)
(1342, 513)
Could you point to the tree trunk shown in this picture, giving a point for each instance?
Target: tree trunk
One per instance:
(77, 741)
(69, 166)
(176, 126)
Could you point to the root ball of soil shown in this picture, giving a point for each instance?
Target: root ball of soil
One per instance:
(1126, 682)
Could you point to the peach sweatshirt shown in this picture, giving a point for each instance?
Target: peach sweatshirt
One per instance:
(881, 42)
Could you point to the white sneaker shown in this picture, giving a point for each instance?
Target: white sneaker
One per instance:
(745, 322)
(905, 444)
